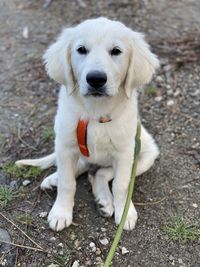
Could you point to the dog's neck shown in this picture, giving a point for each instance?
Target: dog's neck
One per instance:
(106, 109)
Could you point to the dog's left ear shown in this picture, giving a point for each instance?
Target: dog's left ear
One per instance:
(142, 64)
(57, 60)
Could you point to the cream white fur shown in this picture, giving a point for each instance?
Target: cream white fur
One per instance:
(111, 144)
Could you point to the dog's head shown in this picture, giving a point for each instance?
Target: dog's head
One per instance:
(99, 57)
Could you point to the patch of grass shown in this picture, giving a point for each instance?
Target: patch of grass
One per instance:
(25, 219)
(48, 134)
(7, 194)
(13, 171)
(151, 90)
(180, 230)
(61, 260)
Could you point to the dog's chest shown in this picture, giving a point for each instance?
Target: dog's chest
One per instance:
(99, 142)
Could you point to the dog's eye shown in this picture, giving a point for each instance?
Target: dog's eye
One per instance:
(82, 50)
(115, 51)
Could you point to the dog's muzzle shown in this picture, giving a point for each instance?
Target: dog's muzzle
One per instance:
(96, 81)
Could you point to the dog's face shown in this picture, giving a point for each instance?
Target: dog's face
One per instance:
(99, 57)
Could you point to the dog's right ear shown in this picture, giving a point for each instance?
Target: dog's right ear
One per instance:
(57, 60)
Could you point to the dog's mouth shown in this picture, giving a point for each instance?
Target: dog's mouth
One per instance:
(100, 92)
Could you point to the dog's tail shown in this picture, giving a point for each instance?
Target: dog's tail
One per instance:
(42, 163)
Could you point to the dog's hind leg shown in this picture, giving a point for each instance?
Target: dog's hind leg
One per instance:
(101, 190)
(50, 181)
(149, 152)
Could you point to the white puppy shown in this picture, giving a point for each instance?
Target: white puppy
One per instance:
(99, 63)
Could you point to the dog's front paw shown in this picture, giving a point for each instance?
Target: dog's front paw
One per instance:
(59, 217)
(131, 216)
(105, 206)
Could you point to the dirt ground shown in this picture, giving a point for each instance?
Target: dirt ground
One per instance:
(171, 113)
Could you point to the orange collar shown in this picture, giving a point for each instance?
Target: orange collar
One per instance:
(82, 134)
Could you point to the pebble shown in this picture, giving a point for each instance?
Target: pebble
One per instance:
(25, 32)
(180, 261)
(60, 245)
(158, 98)
(124, 251)
(170, 92)
(177, 93)
(99, 262)
(98, 251)
(73, 236)
(171, 258)
(43, 214)
(170, 102)
(103, 229)
(92, 246)
(75, 264)
(159, 79)
(53, 265)
(13, 184)
(195, 205)
(104, 241)
(26, 182)
(52, 239)
(77, 243)
(4, 236)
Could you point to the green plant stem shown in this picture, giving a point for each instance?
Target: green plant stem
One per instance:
(128, 200)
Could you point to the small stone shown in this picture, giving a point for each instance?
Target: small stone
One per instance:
(4, 236)
(103, 229)
(75, 264)
(73, 236)
(26, 182)
(177, 93)
(171, 258)
(43, 214)
(170, 102)
(158, 98)
(170, 92)
(13, 184)
(180, 261)
(88, 263)
(52, 239)
(53, 265)
(25, 32)
(77, 243)
(159, 79)
(195, 205)
(60, 245)
(124, 251)
(104, 241)
(61, 253)
(98, 251)
(92, 244)
(99, 262)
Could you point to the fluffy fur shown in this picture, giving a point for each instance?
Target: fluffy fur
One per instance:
(111, 144)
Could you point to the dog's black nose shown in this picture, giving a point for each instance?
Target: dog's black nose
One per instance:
(96, 79)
